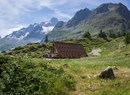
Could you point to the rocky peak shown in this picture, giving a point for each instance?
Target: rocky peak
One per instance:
(79, 17)
(60, 24)
(54, 21)
(107, 7)
(123, 11)
(102, 8)
(116, 8)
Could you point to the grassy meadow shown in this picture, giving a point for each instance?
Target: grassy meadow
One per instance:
(34, 75)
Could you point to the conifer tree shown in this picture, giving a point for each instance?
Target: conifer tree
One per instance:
(87, 35)
(102, 34)
(112, 35)
(46, 38)
(127, 38)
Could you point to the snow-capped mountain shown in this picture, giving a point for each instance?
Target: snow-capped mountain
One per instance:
(33, 33)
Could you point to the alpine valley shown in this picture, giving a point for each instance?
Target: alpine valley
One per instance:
(86, 55)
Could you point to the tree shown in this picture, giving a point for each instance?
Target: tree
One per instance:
(87, 35)
(119, 34)
(112, 35)
(102, 34)
(46, 38)
(127, 38)
(123, 33)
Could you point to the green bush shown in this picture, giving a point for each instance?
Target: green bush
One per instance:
(4, 59)
(18, 48)
(25, 78)
(87, 35)
(102, 34)
(127, 38)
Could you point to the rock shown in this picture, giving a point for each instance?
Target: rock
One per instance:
(114, 68)
(107, 73)
(95, 52)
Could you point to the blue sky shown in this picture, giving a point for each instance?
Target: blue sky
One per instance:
(15, 14)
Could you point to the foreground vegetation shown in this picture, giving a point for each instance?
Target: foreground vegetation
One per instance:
(24, 77)
(35, 75)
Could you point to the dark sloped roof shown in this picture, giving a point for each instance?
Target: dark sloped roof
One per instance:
(63, 48)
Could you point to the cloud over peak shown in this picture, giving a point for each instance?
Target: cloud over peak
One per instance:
(23, 12)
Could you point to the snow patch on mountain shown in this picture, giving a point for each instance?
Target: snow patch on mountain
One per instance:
(46, 30)
(23, 36)
(18, 38)
(35, 24)
(46, 22)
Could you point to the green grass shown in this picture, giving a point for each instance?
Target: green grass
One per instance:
(77, 78)
(32, 50)
(84, 71)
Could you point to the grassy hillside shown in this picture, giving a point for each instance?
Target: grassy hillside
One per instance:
(33, 50)
(67, 76)
(37, 50)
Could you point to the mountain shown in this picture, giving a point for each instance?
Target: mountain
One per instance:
(114, 17)
(33, 33)
(111, 17)
(108, 17)
(79, 17)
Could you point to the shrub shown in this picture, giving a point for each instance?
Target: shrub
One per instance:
(102, 34)
(127, 38)
(23, 77)
(87, 35)
(18, 48)
(4, 59)
(112, 35)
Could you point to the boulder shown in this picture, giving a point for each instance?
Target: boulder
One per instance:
(114, 68)
(107, 73)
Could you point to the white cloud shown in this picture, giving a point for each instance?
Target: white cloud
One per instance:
(11, 10)
(51, 3)
(14, 10)
(15, 29)
(62, 15)
(8, 31)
